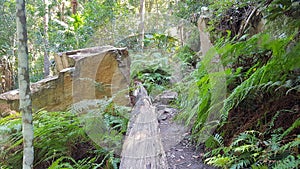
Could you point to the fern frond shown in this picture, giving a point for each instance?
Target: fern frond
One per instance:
(247, 137)
(295, 125)
(292, 144)
(290, 162)
(245, 148)
(242, 163)
(264, 76)
(219, 161)
(219, 139)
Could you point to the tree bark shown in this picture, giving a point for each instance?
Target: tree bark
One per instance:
(142, 23)
(150, 5)
(74, 6)
(62, 11)
(23, 78)
(142, 147)
(46, 41)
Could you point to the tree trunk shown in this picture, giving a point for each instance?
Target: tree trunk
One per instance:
(150, 5)
(62, 11)
(23, 78)
(142, 23)
(142, 147)
(74, 6)
(46, 42)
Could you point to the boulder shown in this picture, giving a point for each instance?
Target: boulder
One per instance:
(90, 73)
(166, 97)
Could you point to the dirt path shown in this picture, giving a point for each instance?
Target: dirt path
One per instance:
(180, 152)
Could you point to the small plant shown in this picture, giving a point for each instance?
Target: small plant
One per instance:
(161, 41)
(107, 162)
(152, 69)
(194, 100)
(249, 149)
(187, 55)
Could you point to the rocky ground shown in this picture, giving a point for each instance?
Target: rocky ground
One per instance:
(180, 152)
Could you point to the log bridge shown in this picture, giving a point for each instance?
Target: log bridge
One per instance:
(142, 148)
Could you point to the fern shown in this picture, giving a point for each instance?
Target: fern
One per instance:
(217, 151)
(71, 163)
(194, 101)
(55, 134)
(247, 137)
(249, 150)
(241, 164)
(201, 99)
(188, 100)
(219, 161)
(290, 162)
(259, 166)
(219, 139)
(293, 144)
(268, 74)
(295, 125)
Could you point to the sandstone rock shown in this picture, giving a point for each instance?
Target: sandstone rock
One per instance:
(166, 97)
(81, 74)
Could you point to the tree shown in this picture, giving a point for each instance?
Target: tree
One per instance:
(23, 78)
(46, 40)
(142, 23)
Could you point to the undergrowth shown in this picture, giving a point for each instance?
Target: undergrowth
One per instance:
(256, 150)
(278, 70)
(261, 69)
(278, 73)
(153, 69)
(60, 141)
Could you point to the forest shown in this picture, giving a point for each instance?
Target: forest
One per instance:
(217, 82)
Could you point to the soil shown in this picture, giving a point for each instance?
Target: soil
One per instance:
(257, 113)
(180, 151)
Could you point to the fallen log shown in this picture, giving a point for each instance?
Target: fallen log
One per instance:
(142, 148)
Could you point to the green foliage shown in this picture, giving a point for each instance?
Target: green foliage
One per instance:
(57, 130)
(184, 9)
(86, 163)
(288, 162)
(81, 164)
(261, 64)
(53, 133)
(65, 31)
(250, 149)
(262, 74)
(56, 136)
(152, 69)
(160, 41)
(103, 121)
(219, 161)
(78, 21)
(8, 27)
(152, 41)
(186, 55)
(194, 100)
(213, 142)
(188, 100)
(278, 8)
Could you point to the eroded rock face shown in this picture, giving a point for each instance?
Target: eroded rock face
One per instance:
(102, 74)
(90, 73)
